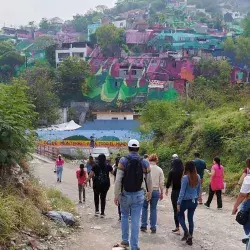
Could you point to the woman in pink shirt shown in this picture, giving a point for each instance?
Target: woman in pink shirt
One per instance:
(81, 177)
(59, 168)
(216, 183)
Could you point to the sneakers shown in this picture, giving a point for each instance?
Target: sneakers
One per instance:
(176, 231)
(153, 231)
(102, 216)
(97, 214)
(80, 202)
(189, 241)
(206, 206)
(143, 229)
(124, 244)
(219, 208)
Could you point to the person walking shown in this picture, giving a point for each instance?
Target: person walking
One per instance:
(244, 199)
(133, 175)
(200, 168)
(245, 172)
(59, 168)
(216, 183)
(188, 200)
(81, 176)
(115, 167)
(101, 183)
(157, 194)
(174, 180)
(89, 165)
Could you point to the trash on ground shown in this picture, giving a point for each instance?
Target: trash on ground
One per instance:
(63, 218)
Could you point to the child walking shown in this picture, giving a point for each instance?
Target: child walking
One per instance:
(81, 177)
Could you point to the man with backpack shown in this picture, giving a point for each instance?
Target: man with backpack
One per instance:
(133, 178)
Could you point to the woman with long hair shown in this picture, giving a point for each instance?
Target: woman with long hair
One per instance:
(216, 183)
(101, 183)
(81, 177)
(174, 180)
(188, 200)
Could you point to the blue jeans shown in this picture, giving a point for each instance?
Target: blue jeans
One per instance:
(190, 206)
(59, 171)
(153, 211)
(131, 202)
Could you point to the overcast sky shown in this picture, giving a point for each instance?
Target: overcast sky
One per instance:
(20, 12)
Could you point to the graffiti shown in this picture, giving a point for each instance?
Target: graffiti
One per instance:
(106, 144)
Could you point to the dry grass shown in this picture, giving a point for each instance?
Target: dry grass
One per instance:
(22, 210)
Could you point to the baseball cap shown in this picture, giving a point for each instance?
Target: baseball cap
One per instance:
(133, 144)
(175, 156)
(245, 188)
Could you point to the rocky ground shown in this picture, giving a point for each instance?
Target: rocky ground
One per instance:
(213, 229)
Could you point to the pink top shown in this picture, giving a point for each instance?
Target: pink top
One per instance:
(81, 179)
(217, 181)
(59, 163)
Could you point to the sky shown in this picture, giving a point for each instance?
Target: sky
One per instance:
(20, 12)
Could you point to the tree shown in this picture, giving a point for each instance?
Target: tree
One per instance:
(101, 8)
(10, 59)
(243, 50)
(45, 25)
(16, 118)
(110, 39)
(80, 23)
(40, 80)
(50, 54)
(71, 76)
(42, 42)
(246, 25)
(229, 45)
(228, 18)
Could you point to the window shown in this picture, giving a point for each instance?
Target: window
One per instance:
(121, 24)
(114, 118)
(61, 56)
(81, 55)
(174, 64)
(133, 72)
(125, 118)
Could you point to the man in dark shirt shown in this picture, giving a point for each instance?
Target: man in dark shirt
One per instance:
(200, 167)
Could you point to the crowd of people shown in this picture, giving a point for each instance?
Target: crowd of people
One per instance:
(140, 182)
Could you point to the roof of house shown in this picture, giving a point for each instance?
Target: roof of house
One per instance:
(138, 37)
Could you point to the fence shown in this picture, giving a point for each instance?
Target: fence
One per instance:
(48, 151)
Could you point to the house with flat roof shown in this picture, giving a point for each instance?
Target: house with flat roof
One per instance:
(78, 49)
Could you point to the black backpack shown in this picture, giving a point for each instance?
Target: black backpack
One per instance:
(133, 175)
(102, 178)
(242, 217)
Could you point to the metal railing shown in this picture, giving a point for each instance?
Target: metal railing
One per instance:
(48, 151)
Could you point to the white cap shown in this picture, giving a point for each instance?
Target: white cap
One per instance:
(133, 144)
(175, 156)
(245, 188)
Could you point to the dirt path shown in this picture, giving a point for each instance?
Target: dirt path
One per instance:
(213, 229)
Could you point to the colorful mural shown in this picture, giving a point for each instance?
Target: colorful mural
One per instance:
(86, 144)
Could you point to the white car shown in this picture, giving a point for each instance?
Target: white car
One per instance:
(95, 152)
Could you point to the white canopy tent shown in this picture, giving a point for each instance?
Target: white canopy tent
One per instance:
(68, 126)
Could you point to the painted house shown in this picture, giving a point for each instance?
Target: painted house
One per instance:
(92, 28)
(113, 115)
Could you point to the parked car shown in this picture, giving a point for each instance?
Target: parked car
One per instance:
(95, 152)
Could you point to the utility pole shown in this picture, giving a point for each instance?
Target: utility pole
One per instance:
(187, 93)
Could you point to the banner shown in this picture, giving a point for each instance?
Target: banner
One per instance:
(85, 144)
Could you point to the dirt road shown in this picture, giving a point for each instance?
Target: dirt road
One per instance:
(213, 229)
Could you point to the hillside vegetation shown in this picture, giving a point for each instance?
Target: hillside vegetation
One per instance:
(214, 121)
